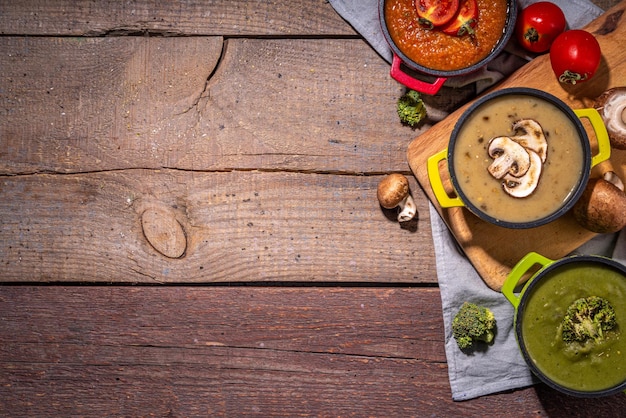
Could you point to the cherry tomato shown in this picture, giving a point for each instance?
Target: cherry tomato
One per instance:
(436, 12)
(538, 25)
(575, 56)
(465, 20)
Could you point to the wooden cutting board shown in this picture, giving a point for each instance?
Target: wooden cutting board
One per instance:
(495, 250)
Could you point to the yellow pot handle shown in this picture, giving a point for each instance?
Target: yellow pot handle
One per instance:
(604, 145)
(517, 273)
(436, 183)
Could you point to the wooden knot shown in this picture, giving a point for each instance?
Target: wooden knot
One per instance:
(164, 232)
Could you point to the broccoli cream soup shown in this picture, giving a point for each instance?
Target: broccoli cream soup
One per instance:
(517, 158)
(590, 367)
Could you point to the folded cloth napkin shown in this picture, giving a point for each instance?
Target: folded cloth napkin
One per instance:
(500, 367)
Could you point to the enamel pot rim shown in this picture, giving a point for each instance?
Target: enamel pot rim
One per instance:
(509, 29)
(573, 197)
(526, 298)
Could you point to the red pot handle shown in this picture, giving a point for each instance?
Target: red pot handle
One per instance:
(413, 83)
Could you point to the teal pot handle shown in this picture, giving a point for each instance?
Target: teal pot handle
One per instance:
(520, 269)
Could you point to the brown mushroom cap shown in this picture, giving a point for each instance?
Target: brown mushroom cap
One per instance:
(392, 190)
(612, 107)
(601, 208)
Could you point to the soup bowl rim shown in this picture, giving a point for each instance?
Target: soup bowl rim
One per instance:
(525, 298)
(571, 199)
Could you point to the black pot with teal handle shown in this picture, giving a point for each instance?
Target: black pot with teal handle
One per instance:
(590, 371)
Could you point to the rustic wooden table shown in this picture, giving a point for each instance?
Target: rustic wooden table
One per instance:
(189, 226)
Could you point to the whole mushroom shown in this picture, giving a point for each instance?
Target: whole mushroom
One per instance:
(393, 191)
(612, 107)
(602, 206)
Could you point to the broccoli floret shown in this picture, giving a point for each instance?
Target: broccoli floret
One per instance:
(473, 323)
(587, 319)
(411, 108)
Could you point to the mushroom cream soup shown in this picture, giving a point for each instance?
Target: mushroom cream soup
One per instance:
(560, 172)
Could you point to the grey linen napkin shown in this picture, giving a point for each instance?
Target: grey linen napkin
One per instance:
(500, 367)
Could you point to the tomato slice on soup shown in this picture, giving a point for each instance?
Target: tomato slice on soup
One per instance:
(434, 13)
(465, 20)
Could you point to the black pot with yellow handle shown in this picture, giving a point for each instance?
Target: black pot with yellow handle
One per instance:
(590, 369)
(561, 168)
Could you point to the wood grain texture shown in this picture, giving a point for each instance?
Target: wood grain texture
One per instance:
(238, 226)
(183, 351)
(495, 250)
(260, 130)
(171, 18)
(198, 104)
(173, 122)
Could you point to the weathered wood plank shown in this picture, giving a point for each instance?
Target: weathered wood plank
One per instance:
(90, 104)
(237, 226)
(78, 104)
(176, 18)
(188, 351)
(190, 17)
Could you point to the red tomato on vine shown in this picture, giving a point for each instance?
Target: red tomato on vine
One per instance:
(538, 25)
(575, 56)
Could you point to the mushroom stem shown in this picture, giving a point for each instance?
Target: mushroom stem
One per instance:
(393, 191)
(408, 209)
(614, 179)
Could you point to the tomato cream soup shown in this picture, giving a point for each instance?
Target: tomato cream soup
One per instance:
(561, 171)
(434, 49)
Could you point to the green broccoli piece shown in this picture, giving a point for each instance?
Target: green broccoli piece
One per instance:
(587, 319)
(473, 323)
(411, 108)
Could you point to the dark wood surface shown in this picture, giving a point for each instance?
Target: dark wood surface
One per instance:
(189, 224)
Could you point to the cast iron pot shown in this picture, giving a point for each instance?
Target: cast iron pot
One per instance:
(525, 299)
(604, 152)
(431, 88)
